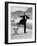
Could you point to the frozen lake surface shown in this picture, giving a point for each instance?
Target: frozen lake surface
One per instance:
(22, 35)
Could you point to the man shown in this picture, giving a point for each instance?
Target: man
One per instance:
(23, 21)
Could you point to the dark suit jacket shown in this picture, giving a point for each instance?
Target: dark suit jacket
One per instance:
(23, 21)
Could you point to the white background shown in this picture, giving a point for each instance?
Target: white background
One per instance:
(33, 29)
(2, 23)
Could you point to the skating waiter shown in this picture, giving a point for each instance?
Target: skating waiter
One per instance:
(23, 21)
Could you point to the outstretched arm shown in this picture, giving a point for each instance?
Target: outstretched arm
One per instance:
(27, 17)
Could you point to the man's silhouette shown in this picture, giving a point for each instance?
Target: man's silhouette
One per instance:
(23, 21)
